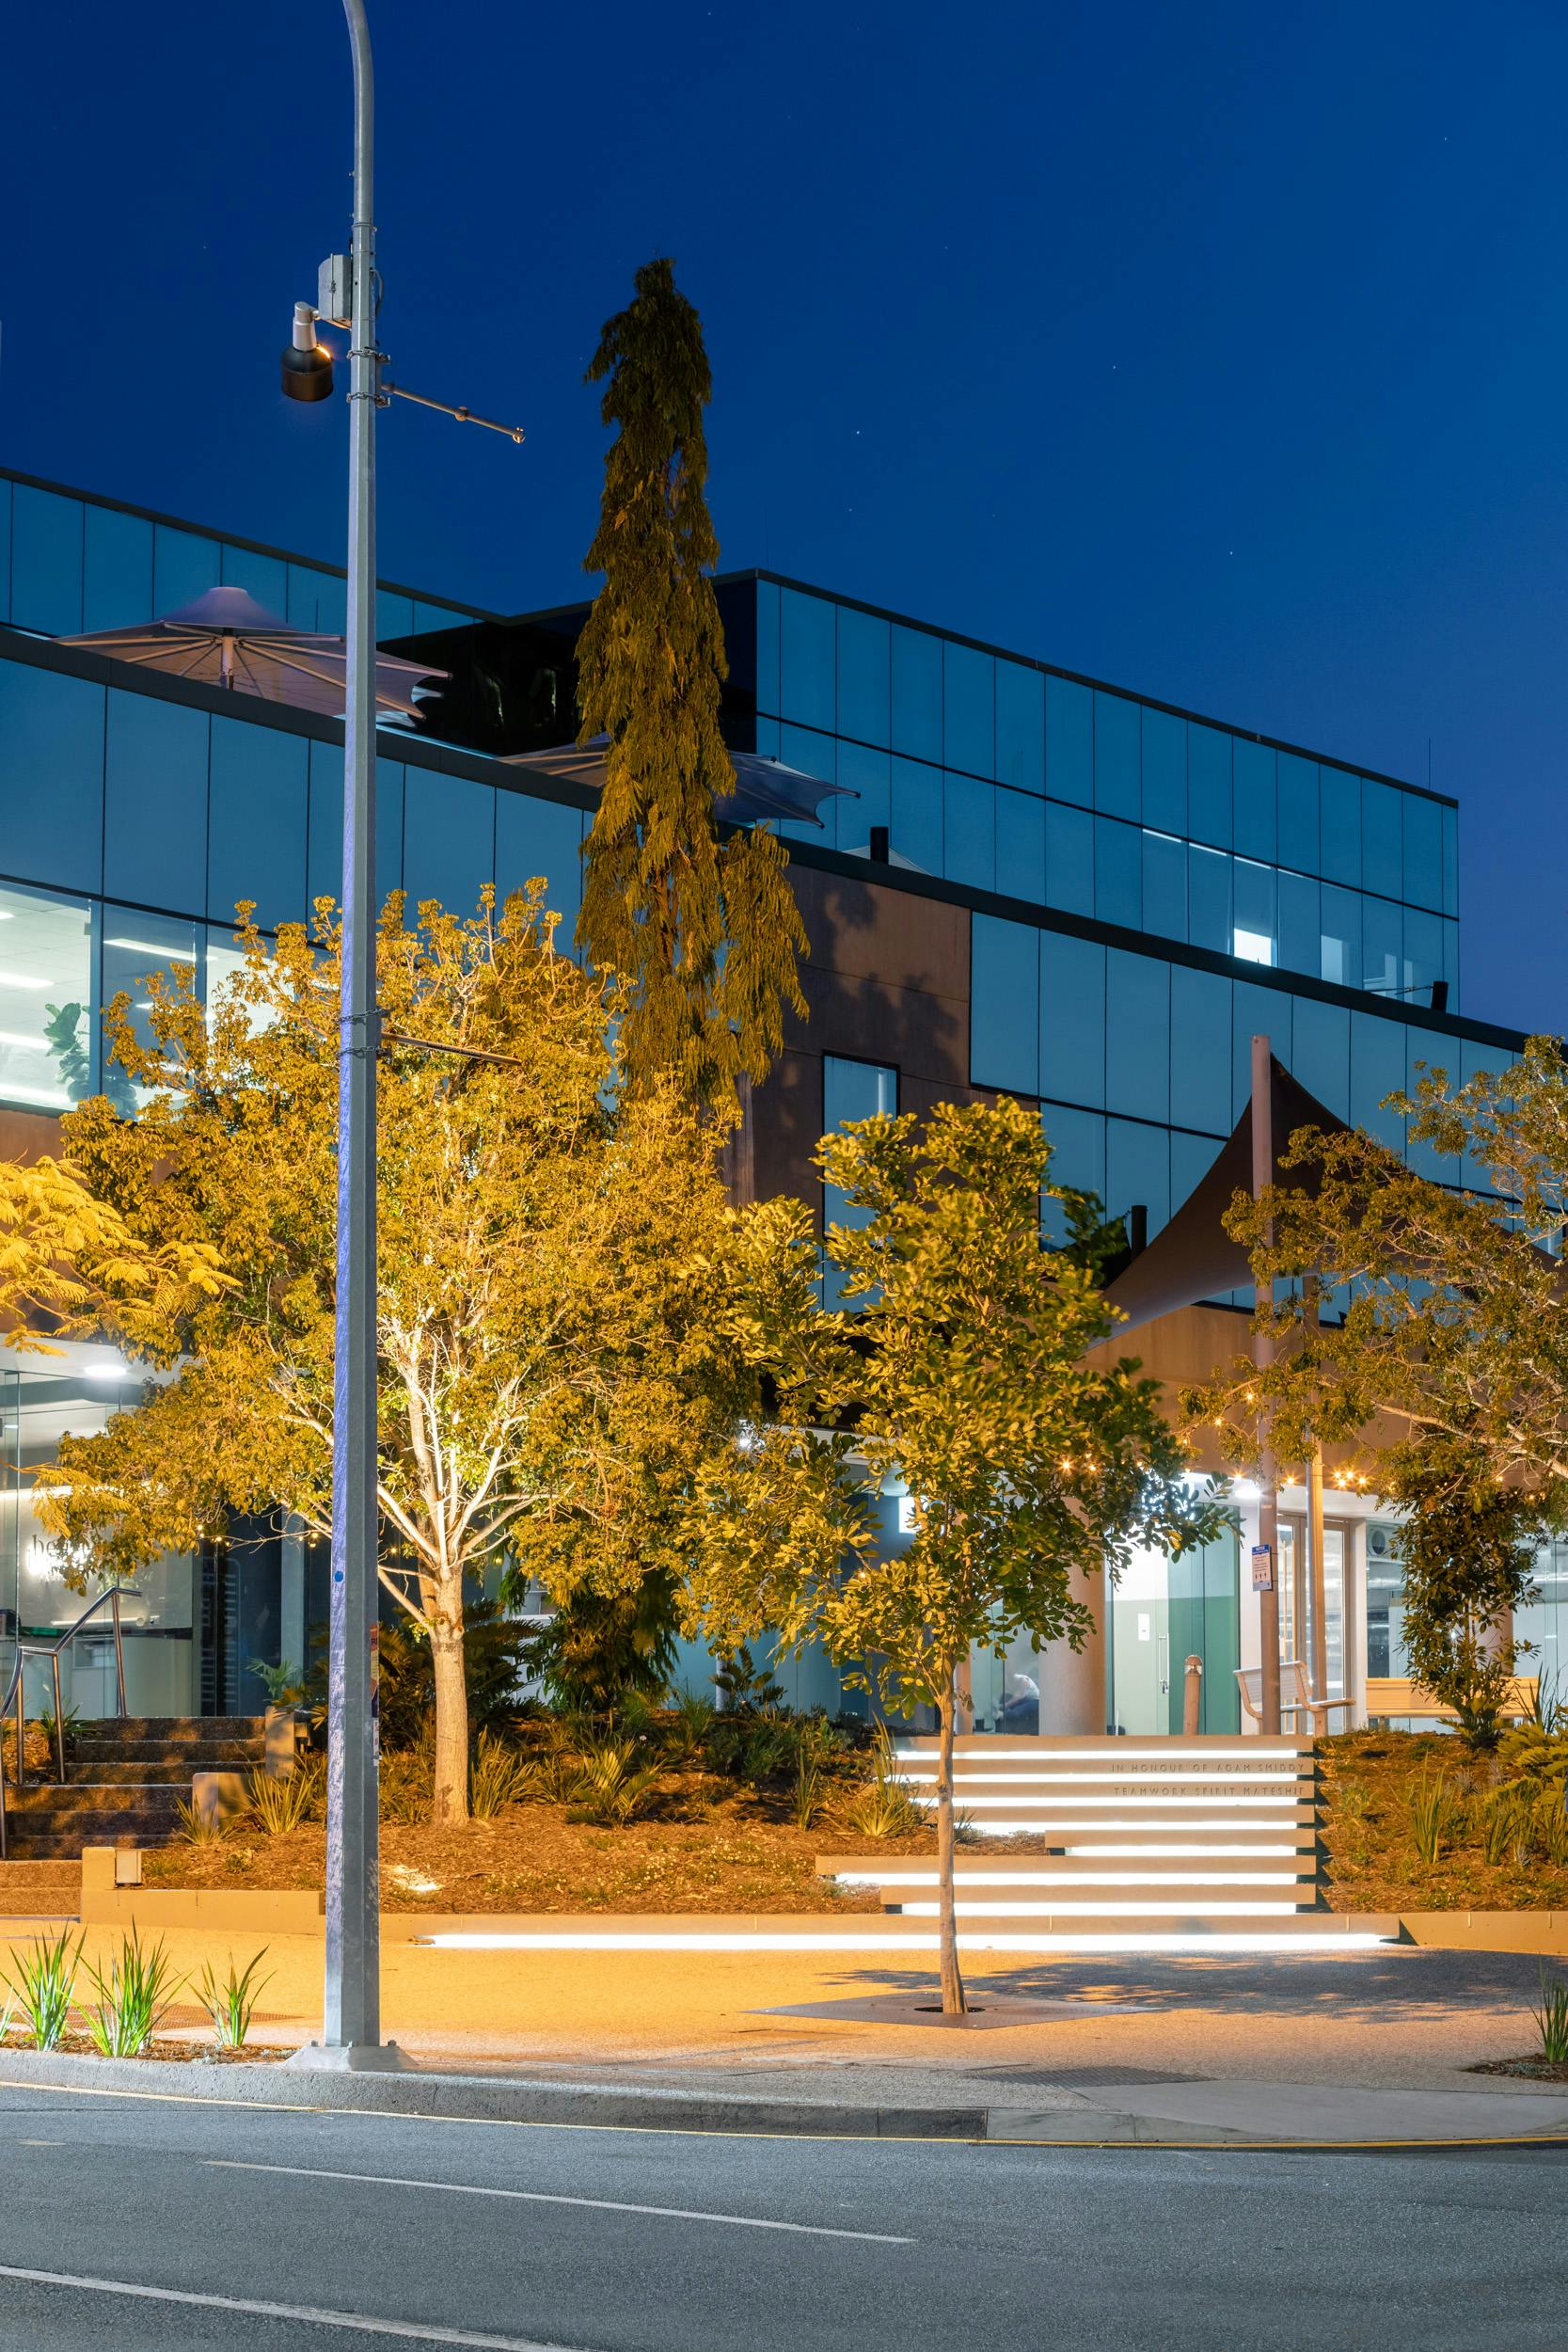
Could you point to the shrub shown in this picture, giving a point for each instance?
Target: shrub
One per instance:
(1551, 1828)
(282, 1801)
(1535, 1752)
(881, 1808)
(687, 1734)
(1551, 2020)
(1436, 1815)
(408, 1782)
(43, 1985)
(807, 1800)
(231, 2002)
(133, 1995)
(198, 1828)
(1506, 1826)
(612, 1787)
(497, 1777)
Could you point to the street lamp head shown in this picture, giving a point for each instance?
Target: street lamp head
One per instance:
(307, 364)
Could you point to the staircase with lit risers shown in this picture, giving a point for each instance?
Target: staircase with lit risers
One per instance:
(1206, 1843)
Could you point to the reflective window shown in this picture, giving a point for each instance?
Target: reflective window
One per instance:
(255, 822)
(1073, 1019)
(48, 1036)
(1137, 1171)
(1321, 1054)
(1340, 918)
(184, 566)
(394, 615)
(1254, 829)
(155, 802)
(1069, 859)
(1436, 1052)
(814, 755)
(1077, 1140)
(768, 645)
(1191, 1158)
(1200, 1050)
(1423, 952)
(1208, 785)
(1118, 876)
(1451, 961)
(389, 791)
(1382, 946)
(1300, 919)
(1005, 1000)
(1255, 1012)
(1377, 1071)
(916, 694)
(968, 709)
(917, 814)
(1382, 838)
(5, 551)
(1298, 796)
(1423, 849)
(1340, 825)
(850, 1090)
(864, 676)
(1254, 921)
(1164, 771)
(1451, 861)
(1209, 899)
(135, 945)
(1021, 845)
(46, 560)
(116, 569)
(969, 832)
(1164, 886)
(448, 840)
(323, 847)
(264, 576)
(51, 731)
(1138, 1035)
(1068, 741)
(541, 837)
(1019, 726)
(807, 692)
(869, 773)
(317, 600)
(1117, 788)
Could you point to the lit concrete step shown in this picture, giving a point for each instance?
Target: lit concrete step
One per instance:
(985, 1872)
(1200, 1912)
(1214, 1747)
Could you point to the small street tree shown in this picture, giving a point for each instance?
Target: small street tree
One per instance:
(958, 1373)
(541, 1319)
(1444, 1368)
(703, 933)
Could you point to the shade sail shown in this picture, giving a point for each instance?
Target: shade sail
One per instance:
(226, 639)
(1193, 1257)
(762, 787)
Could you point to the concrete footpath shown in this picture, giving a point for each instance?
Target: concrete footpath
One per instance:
(1352, 2048)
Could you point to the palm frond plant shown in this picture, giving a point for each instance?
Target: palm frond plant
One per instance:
(44, 1985)
(198, 1825)
(231, 2001)
(133, 1995)
(1551, 2020)
(612, 1787)
(281, 1801)
(495, 1779)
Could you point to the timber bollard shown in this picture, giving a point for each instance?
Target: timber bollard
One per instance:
(1192, 1697)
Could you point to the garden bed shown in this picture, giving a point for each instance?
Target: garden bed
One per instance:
(1373, 1786)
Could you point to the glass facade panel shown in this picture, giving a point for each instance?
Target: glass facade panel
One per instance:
(1451, 861)
(1423, 849)
(1073, 1021)
(136, 944)
(1254, 825)
(1077, 1140)
(1005, 1006)
(1340, 836)
(1254, 924)
(116, 586)
(255, 822)
(1069, 859)
(916, 830)
(1019, 726)
(1164, 886)
(184, 566)
(1340, 918)
(807, 663)
(850, 1090)
(540, 837)
(1377, 1071)
(1321, 1058)
(968, 709)
(1255, 1012)
(1300, 924)
(869, 773)
(1138, 1035)
(51, 735)
(1423, 953)
(1208, 785)
(394, 615)
(48, 1035)
(156, 801)
(5, 551)
(1137, 1171)
(1200, 1050)
(1164, 771)
(1298, 813)
(864, 676)
(1118, 872)
(46, 561)
(767, 647)
(264, 576)
(1021, 845)
(969, 832)
(1068, 741)
(1382, 838)
(1209, 899)
(916, 694)
(448, 840)
(1117, 784)
(1382, 946)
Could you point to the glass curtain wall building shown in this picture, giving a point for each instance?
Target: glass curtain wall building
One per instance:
(1042, 885)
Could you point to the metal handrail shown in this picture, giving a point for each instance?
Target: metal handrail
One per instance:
(16, 1689)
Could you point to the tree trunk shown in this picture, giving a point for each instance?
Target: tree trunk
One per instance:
(953, 2002)
(451, 1800)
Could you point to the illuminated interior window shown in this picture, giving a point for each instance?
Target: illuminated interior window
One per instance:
(1251, 946)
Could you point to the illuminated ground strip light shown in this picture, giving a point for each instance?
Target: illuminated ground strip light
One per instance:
(1057, 1910)
(610, 1940)
(1221, 1777)
(1251, 1752)
(1068, 1879)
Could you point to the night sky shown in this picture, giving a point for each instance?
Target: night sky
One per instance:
(1216, 351)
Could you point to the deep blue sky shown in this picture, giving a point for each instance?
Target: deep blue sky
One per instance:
(1217, 350)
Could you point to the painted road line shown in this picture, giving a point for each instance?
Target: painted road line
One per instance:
(545, 2197)
(408, 2331)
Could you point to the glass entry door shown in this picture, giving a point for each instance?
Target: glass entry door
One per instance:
(1294, 1599)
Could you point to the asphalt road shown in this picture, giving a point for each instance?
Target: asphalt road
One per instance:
(155, 2224)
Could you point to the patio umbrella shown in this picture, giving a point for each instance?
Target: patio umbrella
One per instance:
(762, 787)
(226, 639)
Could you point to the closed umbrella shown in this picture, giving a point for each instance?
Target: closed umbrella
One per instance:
(226, 639)
(763, 786)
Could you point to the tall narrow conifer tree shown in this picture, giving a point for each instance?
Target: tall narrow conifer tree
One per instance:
(704, 931)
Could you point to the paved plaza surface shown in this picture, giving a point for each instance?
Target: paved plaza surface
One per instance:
(216, 2227)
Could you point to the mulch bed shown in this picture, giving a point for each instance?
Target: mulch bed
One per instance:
(1535, 2070)
(1367, 1780)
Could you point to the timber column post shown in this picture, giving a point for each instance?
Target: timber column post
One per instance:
(1262, 1356)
